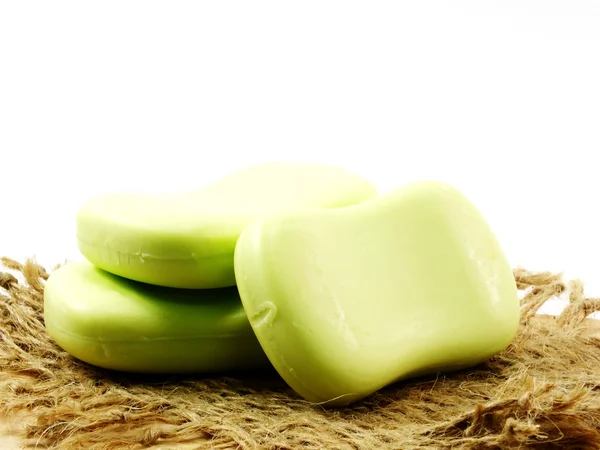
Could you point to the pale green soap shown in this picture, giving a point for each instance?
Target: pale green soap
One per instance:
(119, 324)
(187, 240)
(345, 302)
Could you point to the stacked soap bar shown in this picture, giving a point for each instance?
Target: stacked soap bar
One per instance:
(158, 293)
(301, 266)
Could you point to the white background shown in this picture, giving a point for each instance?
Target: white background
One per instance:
(500, 99)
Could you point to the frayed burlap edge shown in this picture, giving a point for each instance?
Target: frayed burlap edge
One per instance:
(541, 392)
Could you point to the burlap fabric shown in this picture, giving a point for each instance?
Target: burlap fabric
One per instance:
(542, 392)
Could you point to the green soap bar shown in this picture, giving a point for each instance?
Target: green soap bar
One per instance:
(345, 302)
(119, 324)
(187, 240)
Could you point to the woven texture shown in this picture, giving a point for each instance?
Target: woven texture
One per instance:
(541, 392)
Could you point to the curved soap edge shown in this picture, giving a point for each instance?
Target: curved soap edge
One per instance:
(84, 331)
(196, 252)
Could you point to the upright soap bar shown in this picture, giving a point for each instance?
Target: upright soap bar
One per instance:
(345, 302)
(118, 324)
(187, 240)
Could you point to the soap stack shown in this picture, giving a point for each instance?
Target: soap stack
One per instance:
(300, 266)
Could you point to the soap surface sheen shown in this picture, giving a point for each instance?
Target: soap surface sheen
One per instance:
(345, 302)
(119, 324)
(187, 240)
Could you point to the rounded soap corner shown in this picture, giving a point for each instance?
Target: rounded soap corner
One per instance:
(245, 247)
(90, 204)
(248, 236)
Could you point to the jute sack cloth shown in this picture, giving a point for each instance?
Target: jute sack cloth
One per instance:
(542, 392)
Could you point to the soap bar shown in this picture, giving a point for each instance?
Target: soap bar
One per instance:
(187, 240)
(345, 302)
(119, 324)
